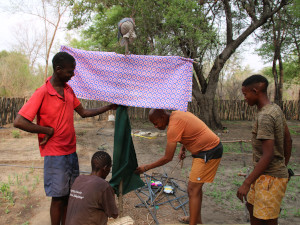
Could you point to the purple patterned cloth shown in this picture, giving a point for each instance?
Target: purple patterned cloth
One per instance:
(134, 80)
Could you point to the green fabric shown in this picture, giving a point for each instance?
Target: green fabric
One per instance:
(124, 157)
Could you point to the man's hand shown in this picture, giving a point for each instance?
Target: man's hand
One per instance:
(243, 191)
(261, 166)
(181, 155)
(47, 136)
(141, 169)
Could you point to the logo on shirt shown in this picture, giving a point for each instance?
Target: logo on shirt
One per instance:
(76, 194)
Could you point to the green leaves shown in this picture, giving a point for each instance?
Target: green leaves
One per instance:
(163, 27)
(16, 78)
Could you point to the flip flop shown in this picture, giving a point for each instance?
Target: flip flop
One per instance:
(184, 219)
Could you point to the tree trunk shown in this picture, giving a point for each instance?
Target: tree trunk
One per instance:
(208, 111)
(280, 86)
(274, 72)
(46, 70)
(204, 93)
(279, 83)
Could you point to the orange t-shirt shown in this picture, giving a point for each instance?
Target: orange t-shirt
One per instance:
(189, 130)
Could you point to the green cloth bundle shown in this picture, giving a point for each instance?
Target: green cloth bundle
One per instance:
(124, 157)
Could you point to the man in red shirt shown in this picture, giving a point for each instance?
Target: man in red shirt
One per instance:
(54, 104)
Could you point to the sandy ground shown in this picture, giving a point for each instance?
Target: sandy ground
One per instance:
(29, 205)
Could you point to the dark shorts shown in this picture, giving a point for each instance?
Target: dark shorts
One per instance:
(59, 174)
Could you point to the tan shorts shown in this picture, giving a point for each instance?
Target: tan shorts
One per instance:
(202, 172)
(265, 195)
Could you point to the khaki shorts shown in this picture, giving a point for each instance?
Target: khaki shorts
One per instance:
(265, 195)
(202, 172)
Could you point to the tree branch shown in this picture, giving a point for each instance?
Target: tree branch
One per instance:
(228, 14)
(232, 46)
(42, 17)
(202, 81)
(250, 9)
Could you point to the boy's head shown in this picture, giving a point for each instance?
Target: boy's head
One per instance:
(254, 87)
(63, 66)
(101, 163)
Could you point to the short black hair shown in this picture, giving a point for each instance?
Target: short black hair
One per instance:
(254, 79)
(99, 160)
(61, 58)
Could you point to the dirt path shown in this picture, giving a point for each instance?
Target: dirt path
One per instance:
(29, 205)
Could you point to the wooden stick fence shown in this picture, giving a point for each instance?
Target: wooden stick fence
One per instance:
(9, 107)
(228, 110)
(240, 110)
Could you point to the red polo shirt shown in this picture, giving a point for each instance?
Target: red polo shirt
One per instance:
(52, 110)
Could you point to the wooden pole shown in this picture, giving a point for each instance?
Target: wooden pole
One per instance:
(236, 141)
(242, 151)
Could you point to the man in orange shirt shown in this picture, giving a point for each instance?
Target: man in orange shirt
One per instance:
(197, 138)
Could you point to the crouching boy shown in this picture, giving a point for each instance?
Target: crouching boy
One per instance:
(91, 198)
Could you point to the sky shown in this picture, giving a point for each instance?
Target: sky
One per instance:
(10, 22)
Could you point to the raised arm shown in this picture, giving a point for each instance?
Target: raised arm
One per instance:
(94, 112)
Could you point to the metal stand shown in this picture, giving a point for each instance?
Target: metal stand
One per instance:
(155, 197)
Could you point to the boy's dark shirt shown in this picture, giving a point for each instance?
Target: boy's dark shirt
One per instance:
(270, 124)
(91, 201)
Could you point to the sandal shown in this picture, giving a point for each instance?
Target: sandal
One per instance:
(184, 219)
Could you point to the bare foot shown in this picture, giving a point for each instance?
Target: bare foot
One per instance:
(184, 219)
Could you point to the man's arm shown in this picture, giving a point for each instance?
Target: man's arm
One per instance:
(26, 125)
(169, 154)
(107, 201)
(261, 166)
(287, 145)
(94, 112)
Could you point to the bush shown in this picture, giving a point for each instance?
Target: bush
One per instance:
(15, 134)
